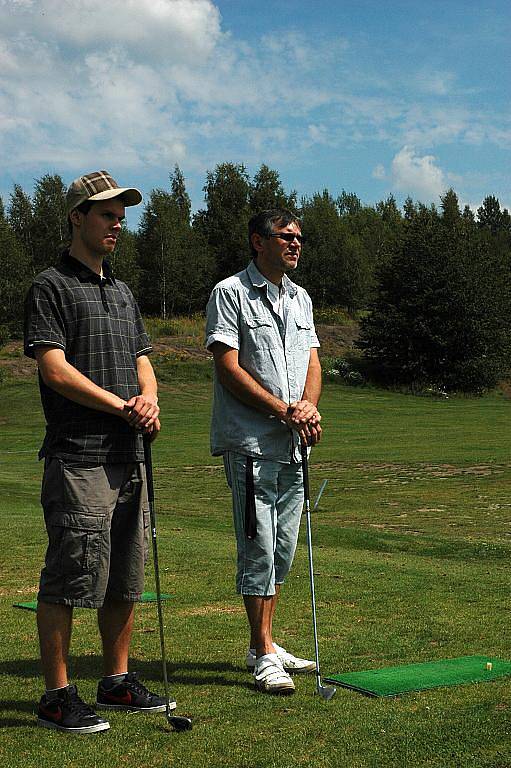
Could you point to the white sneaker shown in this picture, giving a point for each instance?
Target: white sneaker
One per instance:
(289, 662)
(270, 677)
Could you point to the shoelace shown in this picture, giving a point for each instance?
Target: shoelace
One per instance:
(76, 705)
(137, 686)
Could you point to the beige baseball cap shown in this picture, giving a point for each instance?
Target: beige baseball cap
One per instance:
(99, 185)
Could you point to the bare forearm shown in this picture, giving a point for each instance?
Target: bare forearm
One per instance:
(312, 389)
(245, 388)
(146, 379)
(67, 380)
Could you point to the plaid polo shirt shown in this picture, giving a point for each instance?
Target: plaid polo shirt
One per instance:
(96, 321)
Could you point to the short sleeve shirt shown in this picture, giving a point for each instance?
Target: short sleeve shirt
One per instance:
(96, 322)
(273, 339)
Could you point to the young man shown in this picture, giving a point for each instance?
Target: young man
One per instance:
(267, 386)
(99, 396)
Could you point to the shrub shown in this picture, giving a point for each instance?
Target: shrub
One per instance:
(343, 370)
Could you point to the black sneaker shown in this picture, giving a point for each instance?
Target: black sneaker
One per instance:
(131, 695)
(69, 713)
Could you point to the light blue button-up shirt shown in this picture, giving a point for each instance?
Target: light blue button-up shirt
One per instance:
(274, 348)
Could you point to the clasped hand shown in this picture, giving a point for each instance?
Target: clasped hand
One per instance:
(304, 418)
(142, 413)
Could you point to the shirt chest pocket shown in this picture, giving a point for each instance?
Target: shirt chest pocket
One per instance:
(259, 333)
(302, 328)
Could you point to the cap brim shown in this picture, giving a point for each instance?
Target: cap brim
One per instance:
(131, 195)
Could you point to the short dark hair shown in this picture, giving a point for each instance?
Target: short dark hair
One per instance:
(263, 222)
(83, 208)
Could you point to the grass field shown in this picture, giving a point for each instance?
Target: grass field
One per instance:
(412, 543)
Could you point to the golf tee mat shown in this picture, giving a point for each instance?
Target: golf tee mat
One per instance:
(392, 681)
(146, 597)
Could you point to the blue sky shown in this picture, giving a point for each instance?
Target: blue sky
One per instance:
(372, 97)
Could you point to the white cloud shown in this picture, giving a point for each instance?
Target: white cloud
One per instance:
(93, 80)
(417, 176)
(435, 82)
(140, 81)
(142, 84)
(318, 134)
(180, 29)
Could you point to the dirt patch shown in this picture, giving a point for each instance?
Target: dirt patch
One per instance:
(208, 610)
(505, 388)
(17, 593)
(183, 347)
(13, 362)
(336, 340)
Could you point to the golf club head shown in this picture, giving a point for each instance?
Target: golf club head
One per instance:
(326, 691)
(179, 723)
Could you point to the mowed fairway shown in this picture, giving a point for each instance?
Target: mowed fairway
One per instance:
(412, 545)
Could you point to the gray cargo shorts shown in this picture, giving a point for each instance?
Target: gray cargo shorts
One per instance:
(97, 519)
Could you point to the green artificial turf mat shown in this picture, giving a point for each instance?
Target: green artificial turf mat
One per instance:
(391, 681)
(150, 597)
(146, 597)
(26, 606)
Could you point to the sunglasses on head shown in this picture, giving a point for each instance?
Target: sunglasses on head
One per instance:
(288, 237)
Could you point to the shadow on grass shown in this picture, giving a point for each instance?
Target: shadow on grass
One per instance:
(180, 672)
(24, 707)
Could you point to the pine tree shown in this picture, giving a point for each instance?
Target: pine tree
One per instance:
(441, 314)
(14, 281)
(223, 223)
(50, 230)
(266, 191)
(175, 267)
(489, 215)
(124, 260)
(20, 216)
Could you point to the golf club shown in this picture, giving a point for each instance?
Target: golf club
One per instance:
(178, 723)
(325, 691)
(320, 494)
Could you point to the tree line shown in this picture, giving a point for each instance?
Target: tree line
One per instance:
(431, 282)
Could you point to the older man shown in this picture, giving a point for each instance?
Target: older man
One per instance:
(267, 386)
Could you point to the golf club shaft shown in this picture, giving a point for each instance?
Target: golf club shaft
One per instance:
(305, 470)
(320, 494)
(152, 513)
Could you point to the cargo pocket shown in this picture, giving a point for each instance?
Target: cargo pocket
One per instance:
(80, 542)
(86, 488)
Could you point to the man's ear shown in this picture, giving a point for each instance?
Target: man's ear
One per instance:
(74, 217)
(257, 241)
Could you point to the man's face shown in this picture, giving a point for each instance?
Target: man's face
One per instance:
(278, 255)
(100, 227)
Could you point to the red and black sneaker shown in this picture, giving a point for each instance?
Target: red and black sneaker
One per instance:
(69, 713)
(131, 695)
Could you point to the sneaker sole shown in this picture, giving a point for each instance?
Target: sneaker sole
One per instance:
(291, 670)
(127, 708)
(76, 731)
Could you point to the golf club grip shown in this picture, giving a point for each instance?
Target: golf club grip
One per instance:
(148, 461)
(305, 470)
